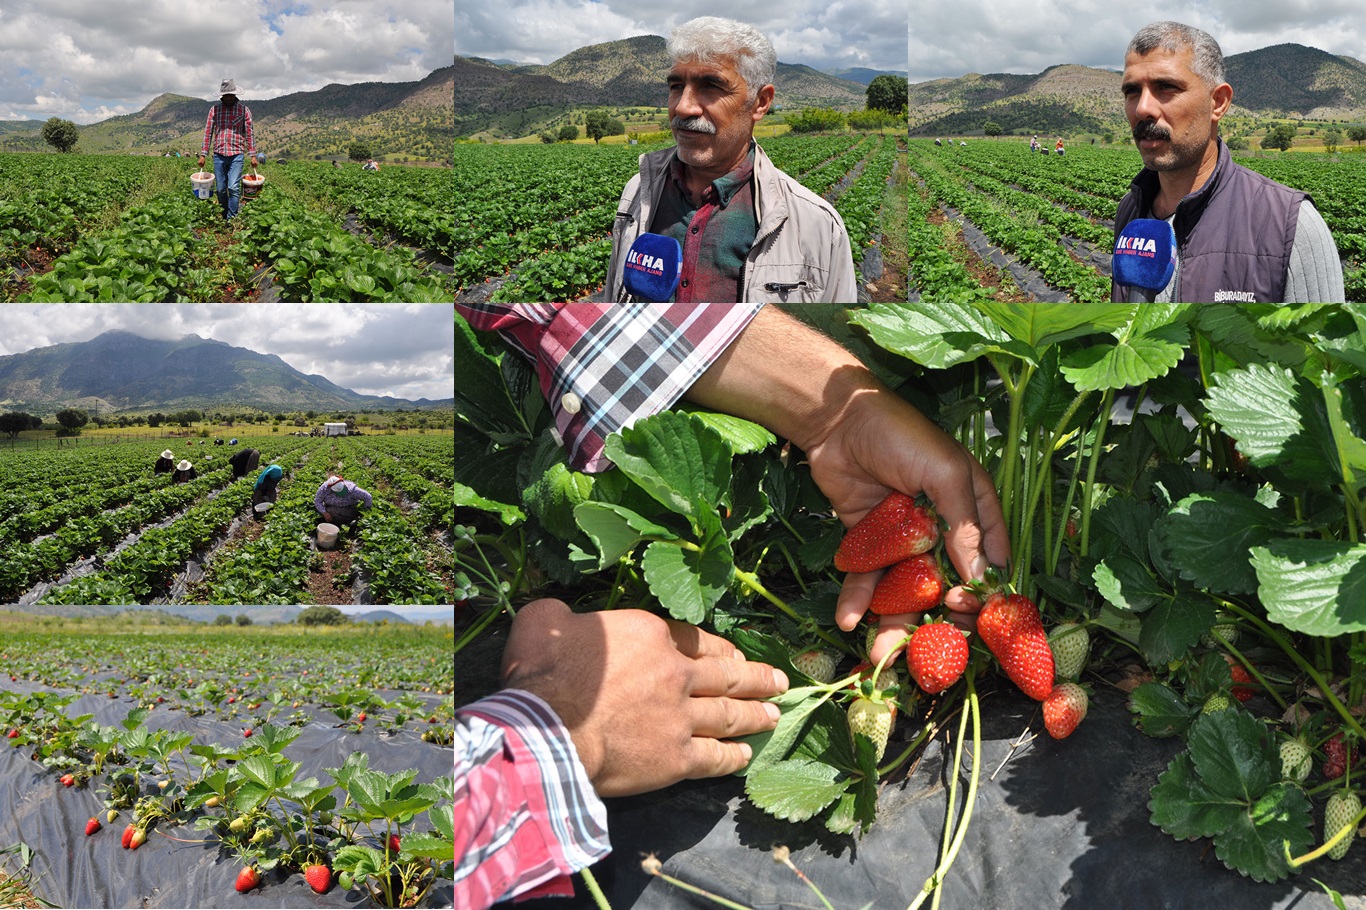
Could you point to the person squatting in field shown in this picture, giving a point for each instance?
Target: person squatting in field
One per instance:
(267, 482)
(244, 462)
(339, 501)
(227, 131)
(164, 464)
(1241, 237)
(749, 232)
(184, 472)
(612, 703)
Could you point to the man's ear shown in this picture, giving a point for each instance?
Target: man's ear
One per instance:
(762, 102)
(1223, 99)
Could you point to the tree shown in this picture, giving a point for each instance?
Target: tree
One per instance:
(816, 120)
(548, 137)
(1357, 134)
(222, 619)
(888, 93)
(600, 123)
(72, 418)
(321, 616)
(243, 619)
(1332, 138)
(1279, 136)
(1237, 144)
(16, 422)
(60, 134)
(569, 132)
(155, 420)
(991, 128)
(359, 151)
(874, 119)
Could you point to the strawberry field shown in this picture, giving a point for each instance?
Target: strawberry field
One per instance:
(534, 223)
(106, 228)
(95, 526)
(1053, 217)
(175, 767)
(1164, 693)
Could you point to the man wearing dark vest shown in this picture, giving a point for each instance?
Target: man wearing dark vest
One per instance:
(1241, 237)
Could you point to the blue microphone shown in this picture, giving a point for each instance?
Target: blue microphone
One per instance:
(1145, 254)
(653, 264)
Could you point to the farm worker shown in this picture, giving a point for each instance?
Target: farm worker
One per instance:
(244, 462)
(748, 230)
(340, 501)
(184, 472)
(264, 489)
(1060, 150)
(228, 133)
(165, 463)
(370, 165)
(1241, 237)
(561, 696)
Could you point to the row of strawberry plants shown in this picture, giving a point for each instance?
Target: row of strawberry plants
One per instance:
(934, 270)
(861, 204)
(411, 203)
(565, 275)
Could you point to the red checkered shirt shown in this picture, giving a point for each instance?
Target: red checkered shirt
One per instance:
(526, 816)
(602, 366)
(228, 130)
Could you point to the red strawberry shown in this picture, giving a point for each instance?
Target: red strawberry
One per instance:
(247, 732)
(893, 530)
(393, 843)
(138, 839)
(360, 718)
(319, 877)
(1240, 675)
(247, 879)
(936, 656)
(1013, 631)
(127, 839)
(67, 780)
(1063, 709)
(1337, 759)
(92, 826)
(913, 585)
(12, 734)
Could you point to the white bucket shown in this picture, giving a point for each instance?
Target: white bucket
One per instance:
(202, 184)
(327, 535)
(251, 185)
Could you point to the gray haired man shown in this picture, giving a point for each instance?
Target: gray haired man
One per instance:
(1241, 237)
(748, 231)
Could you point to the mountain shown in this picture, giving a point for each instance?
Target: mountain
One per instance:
(862, 75)
(625, 73)
(412, 118)
(122, 371)
(1284, 81)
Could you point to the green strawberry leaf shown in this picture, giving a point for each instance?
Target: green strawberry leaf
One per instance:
(936, 335)
(615, 530)
(865, 790)
(1208, 537)
(1174, 626)
(1127, 584)
(509, 515)
(1147, 347)
(1277, 419)
(1256, 842)
(1039, 325)
(1234, 754)
(795, 790)
(744, 437)
(1161, 711)
(681, 462)
(554, 496)
(1184, 807)
(690, 580)
(481, 397)
(796, 707)
(1317, 587)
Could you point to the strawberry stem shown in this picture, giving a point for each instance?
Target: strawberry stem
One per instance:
(1297, 861)
(751, 581)
(591, 883)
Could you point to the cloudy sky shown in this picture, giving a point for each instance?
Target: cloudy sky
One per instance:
(403, 350)
(87, 60)
(1028, 36)
(824, 34)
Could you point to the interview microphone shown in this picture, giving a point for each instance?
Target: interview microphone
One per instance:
(653, 264)
(1145, 254)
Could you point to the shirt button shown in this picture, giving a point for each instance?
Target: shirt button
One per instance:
(571, 403)
(692, 230)
(685, 282)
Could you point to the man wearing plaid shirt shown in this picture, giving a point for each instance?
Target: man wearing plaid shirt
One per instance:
(228, 133)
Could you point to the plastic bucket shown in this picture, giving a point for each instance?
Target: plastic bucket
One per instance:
(201, 183)
(327, 535)
(251, 185)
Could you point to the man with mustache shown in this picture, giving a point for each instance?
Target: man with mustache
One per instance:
(748, 231)
(1241, 237)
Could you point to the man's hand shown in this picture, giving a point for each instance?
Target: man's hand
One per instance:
(648, 702)
(201, 160)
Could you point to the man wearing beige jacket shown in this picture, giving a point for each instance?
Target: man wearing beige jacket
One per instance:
(748, 231)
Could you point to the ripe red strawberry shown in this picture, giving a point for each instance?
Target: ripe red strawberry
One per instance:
(67, 780)
(1240, 675)
(127, 839)
(1335, 765)
(92, 826)
(247, 733)
(1013, 631)
(1064, 708)
(936, 656)
(247, 879)
(319, 877)
(893, 530)
(12, 734)
(138, 839)
(393, 843)
(913, 585)
(360, 718)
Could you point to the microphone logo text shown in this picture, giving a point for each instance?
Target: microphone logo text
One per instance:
(652, 264)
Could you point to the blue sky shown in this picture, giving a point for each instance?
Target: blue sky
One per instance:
(87, 60)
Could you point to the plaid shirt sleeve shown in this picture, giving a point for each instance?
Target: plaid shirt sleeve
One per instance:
(208, 130)
(602, 366)
(526, 816)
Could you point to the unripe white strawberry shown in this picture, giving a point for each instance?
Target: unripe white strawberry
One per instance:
(1220, 634)
(1340, 812)
(1216, 702)
(874, 720)
(815, 663)
(1296, 760)
(1071, 646)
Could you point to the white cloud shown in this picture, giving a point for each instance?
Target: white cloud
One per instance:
(407, 351)
(86, 60)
